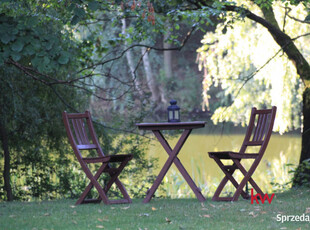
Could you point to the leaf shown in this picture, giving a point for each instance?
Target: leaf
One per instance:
(252, 214)
(168, 220)
(207, 216)
(103, 219)
(46, 60)
(124, 208)
(307, 210)
(16, 56)
(154, 209)
(79, 12)
(144, 214)
(94, 5)
(5, 38)
(99, 226)
(64, 58)
(29, 50)
(75, 20)
(33, 21)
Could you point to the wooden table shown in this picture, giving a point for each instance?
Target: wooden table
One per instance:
(187, 128)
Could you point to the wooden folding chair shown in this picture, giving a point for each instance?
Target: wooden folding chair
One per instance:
(258, 134)
(82, 136)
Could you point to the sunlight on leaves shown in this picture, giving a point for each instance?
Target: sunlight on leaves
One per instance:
(246, 64)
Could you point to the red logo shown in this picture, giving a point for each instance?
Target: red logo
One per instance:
(260, 197)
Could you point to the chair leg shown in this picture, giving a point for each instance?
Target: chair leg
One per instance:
(247, 177)
(114, 179)
(93, 182)
(228, 177)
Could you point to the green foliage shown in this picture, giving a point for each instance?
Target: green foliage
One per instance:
(302, 174)
(35, 43)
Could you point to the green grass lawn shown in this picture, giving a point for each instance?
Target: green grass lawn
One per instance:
(159, 214)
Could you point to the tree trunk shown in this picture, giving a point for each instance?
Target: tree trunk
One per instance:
(167, 56)
(131, 65)
(7, 163)
(305, 149)
(157, 96)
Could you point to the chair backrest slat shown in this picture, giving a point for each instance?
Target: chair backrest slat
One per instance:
(259, 129)
(81, 133)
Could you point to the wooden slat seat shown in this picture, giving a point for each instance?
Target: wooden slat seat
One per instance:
(229, 155)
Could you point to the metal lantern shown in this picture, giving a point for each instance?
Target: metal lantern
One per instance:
(173, 112)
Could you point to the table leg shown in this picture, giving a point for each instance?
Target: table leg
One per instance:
(173, 158)
(177, 162)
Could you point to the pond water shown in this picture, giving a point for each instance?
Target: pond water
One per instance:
(282, 150)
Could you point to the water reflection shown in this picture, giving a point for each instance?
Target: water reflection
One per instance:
(282, 150)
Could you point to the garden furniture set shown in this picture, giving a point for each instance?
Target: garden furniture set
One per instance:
(82, 137)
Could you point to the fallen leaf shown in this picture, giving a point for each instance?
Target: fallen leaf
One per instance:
(47, 214)
(74, 222)
(242, 210)
(168, 220)
(154, 209)
(104, 219)
(283, 228)
(263, 212)
(99, 226)
(72, 206)
(124, 208)
(307, 210)
(204, 209)
(12, 216)
(252, 214)
(111, 208)
(212, 205)
(144, 214)
(207, 216)
(202, 205)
